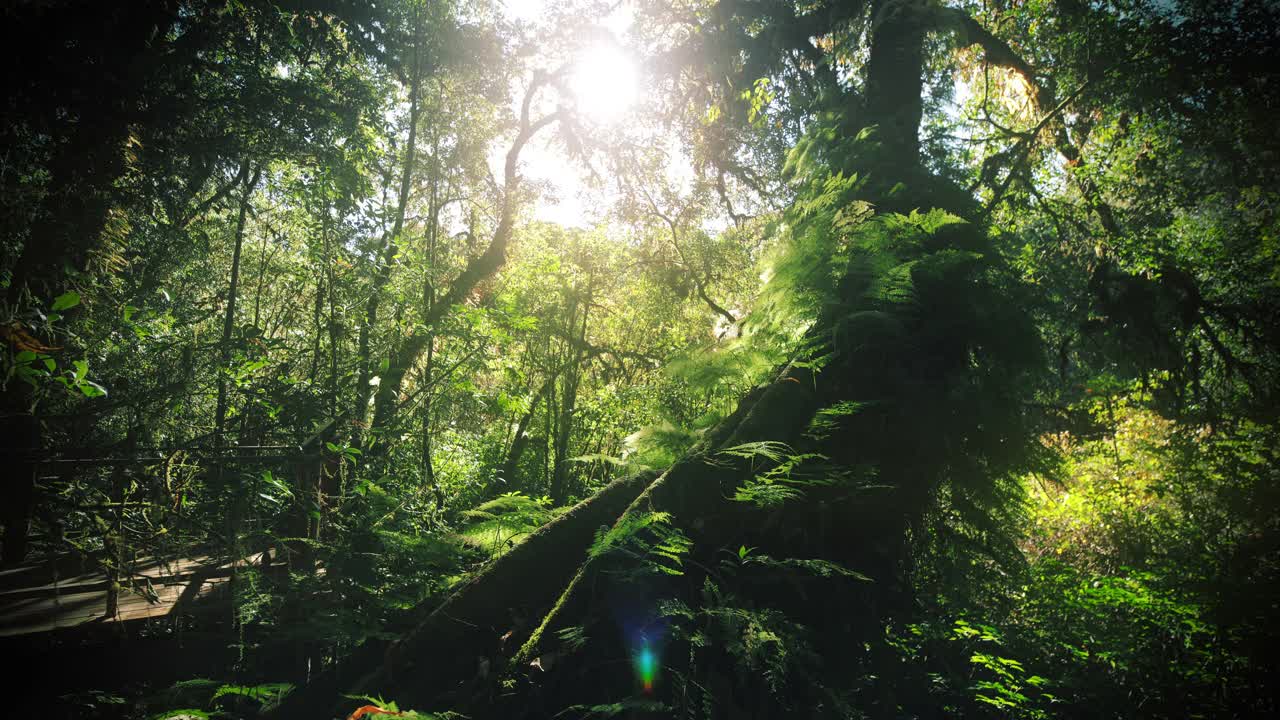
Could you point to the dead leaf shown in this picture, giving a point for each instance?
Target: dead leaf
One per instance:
(371, 710)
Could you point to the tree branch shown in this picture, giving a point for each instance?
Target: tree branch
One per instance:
(998, 52)
(478, 268)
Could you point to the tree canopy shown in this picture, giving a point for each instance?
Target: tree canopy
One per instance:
(642, 358)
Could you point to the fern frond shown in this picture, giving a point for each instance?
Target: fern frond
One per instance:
(769, 449)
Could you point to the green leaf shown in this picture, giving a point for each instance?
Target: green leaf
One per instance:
(66, 300)
(181, 713)
(265, 693)
(597, 457)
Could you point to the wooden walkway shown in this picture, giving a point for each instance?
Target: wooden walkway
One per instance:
(64, 593)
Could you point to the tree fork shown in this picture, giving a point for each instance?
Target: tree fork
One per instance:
(696, 485)
(478, 268)
(443, 650)
(531, 575)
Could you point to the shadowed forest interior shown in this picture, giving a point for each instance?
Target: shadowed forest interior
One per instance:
(640, 359)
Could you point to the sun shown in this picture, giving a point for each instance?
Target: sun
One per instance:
(604, 83)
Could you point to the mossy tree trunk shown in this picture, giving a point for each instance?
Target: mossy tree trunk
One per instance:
(456, 640)
(925, 388)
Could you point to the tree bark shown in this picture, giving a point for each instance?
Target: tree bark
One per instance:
(429, 301)
(891, 100)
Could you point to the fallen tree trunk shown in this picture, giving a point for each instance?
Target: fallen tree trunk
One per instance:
(922, 346)
(466, 638)
(696, 486)
(456, 653)
(475, 616)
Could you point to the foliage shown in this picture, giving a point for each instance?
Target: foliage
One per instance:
(630, 705)
(271, 297)
(497, 524)
(653, 538)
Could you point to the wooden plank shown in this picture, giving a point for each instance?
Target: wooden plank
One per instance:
(82, 598)
(154, 570)
(52, 613)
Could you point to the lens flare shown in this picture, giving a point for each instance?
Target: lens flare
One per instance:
(647, 667)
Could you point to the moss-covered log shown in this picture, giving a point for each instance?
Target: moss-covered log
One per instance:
(696, 487)
(455, 641)
(464, 641)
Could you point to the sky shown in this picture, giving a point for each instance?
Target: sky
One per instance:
(571, 202)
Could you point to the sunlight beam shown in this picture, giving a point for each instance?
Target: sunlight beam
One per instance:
(604, 83)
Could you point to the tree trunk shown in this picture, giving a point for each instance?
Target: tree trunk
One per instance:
(510, 467)
(477, 269)
(466, 631)
(448, 661)
(894, 68)
(386, 257)
(569, 399)
(228, 322)
(428, 467)
(429, 301)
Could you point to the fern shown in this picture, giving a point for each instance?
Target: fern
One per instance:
(649, 537)
(786, 481)
(194, 685)
(574, 637)
(764, 641)
(815, 566)
(769, 449)
(827, 420)
(268, 695)
(496, 525)
(630, 705)
(657, 445)
(765, 493)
